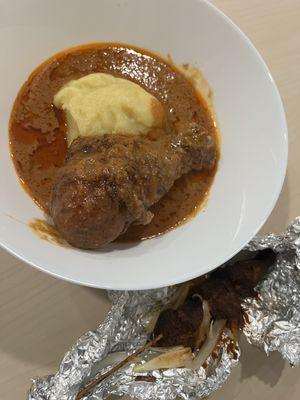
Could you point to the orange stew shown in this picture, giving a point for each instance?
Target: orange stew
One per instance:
(38, 129)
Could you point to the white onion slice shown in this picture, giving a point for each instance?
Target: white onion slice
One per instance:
(205, 324)
(169, 359)
(153, 317)
(166, 349)
(180, 296)
(209, 345)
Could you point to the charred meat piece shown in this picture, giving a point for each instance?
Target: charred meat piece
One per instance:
(245, 275)
(109, 182)
(226, 288)
(181, 326)
(224, 302)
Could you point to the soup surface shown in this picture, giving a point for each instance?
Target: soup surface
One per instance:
(38, 129)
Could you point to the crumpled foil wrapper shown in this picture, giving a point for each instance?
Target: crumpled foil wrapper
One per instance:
(273, 318)
(272, 321)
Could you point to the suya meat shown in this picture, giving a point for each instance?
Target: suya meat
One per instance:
(224, 290)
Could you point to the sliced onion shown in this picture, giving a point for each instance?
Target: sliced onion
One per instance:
(205, 324)
(166, 349)
(153, 317)
(209, 345)
(169, 359)
(179, 296)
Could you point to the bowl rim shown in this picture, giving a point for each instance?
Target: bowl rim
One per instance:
(185, 276)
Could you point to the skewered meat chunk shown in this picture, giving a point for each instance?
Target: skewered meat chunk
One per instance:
(181, 326)
(228, 286)
(224, 290)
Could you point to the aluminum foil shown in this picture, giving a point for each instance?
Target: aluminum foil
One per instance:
(272, 322)
(273, 318)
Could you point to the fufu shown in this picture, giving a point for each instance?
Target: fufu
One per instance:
(101, 103)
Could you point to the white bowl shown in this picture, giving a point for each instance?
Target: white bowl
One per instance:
(249, 111)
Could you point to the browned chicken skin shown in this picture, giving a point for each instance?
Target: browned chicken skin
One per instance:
(109, 182)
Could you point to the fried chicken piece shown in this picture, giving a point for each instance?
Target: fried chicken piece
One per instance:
(109, 182)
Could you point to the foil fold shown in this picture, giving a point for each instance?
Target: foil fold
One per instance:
(272, 321)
